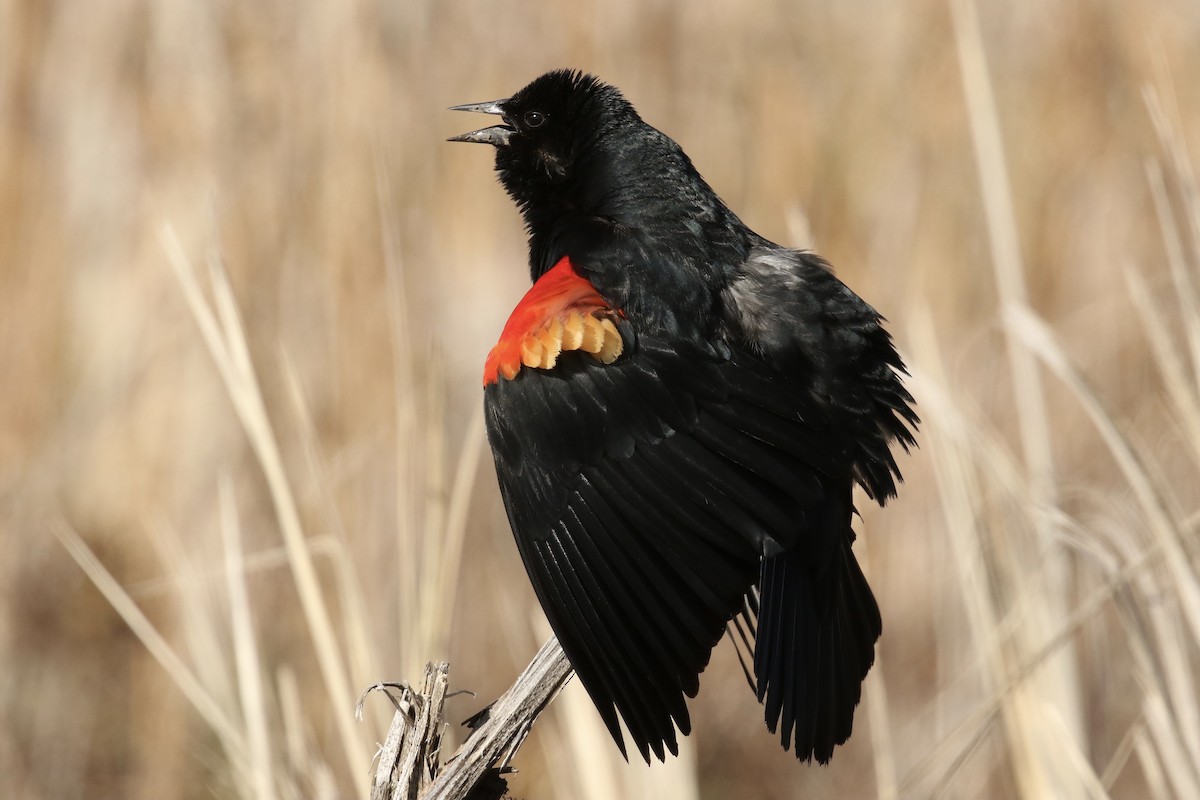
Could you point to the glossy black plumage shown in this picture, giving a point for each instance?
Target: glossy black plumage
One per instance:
(704, 477)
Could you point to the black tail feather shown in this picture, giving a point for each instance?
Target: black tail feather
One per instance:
(815, 645)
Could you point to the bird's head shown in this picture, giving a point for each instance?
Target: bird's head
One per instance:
(591, 178)
(558, 142)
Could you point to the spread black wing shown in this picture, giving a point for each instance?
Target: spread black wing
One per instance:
(644, 496)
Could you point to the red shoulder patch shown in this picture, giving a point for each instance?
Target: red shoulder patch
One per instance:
(561, 311)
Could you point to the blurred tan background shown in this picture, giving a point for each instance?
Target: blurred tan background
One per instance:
(277, 528)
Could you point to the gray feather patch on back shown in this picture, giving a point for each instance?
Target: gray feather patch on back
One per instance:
(775, 301)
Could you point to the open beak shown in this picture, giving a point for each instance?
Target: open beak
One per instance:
(497, 135)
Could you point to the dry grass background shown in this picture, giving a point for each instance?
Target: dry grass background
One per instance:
(246, 290)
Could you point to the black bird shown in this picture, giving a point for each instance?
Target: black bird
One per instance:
(679, 410)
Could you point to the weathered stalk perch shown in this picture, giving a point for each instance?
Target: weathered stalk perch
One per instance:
(409, 766)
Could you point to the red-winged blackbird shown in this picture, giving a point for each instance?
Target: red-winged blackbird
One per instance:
(679, 410)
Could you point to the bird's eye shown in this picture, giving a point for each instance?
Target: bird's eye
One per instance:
(534, 119)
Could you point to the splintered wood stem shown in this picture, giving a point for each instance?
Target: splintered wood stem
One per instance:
(409, 767)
